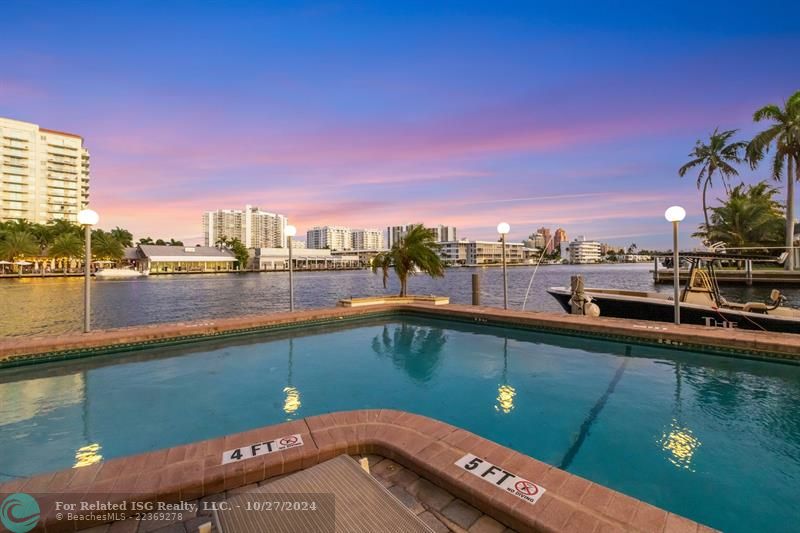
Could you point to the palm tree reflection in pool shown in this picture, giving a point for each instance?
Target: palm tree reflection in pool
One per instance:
(505, 392)
(292, 401)
(414, 349)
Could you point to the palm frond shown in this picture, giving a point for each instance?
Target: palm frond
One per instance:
(771, 111)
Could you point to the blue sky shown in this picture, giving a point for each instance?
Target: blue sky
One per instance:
(372, 114)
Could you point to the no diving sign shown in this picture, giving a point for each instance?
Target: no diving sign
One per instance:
(262, 448)
(511, 483)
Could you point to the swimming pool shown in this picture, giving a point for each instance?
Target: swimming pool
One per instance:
(713, 438)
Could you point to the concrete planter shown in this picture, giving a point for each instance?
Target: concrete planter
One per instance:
(379, 300)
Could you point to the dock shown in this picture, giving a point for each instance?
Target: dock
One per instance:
(769, 276)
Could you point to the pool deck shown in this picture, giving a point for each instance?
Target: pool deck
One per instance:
(426, 447)
(775, 346)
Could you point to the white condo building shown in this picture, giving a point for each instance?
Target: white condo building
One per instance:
(582, 251)
(45, 173)
(252, 226)
(343, 238)
(469, 253)
(329, 237)
(441, 233)
(367, 239)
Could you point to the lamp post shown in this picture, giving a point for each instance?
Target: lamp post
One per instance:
(676, 214)
(291, 231)
(503, 229)
(87, 218)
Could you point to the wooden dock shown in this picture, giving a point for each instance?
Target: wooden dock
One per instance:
(770, 276)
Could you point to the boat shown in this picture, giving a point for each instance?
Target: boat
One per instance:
(700, 302)
(119, 273)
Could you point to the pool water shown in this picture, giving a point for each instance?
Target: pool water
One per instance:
(713, 438)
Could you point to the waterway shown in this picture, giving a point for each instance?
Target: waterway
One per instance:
(39, 306)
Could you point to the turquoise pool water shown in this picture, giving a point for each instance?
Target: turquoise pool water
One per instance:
(712, 438)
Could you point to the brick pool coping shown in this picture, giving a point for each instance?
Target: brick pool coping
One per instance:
(775, 346)
(426, 446)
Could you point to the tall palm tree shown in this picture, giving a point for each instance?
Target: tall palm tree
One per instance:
(65, 247)
(715, 157)
(16, 243)
(105, 246)
(784, 133)
(124, 236)
(418, 250)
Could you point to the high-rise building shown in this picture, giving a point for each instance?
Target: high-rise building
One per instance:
(548, 242)
(559, 237)
(330, 237)
(445, 233)
(45, 173)
(441, 233)
(367, 239)
(252, 226)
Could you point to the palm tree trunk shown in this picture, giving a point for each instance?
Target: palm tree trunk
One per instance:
(403, 285)
(705, 207)
(790, 211)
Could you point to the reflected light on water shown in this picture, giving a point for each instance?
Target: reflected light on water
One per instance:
(88, 455)
(505, 399)
(292, 402)
(681, 444)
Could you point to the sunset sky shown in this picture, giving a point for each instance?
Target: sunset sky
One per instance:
(371, 114)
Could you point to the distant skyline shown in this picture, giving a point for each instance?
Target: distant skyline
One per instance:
(457, 113)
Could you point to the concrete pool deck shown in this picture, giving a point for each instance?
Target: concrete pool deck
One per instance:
(16, 351)
(427, 448)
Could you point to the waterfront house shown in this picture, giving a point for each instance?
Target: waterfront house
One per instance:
(180, 259)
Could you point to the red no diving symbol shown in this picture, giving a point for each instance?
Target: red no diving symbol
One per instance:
(526, 487)
(285, 441)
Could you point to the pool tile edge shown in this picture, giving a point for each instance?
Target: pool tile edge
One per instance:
(424, 445)
(738, 343)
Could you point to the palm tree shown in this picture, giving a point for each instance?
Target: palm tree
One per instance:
(749, 217)
(61, 226)
(124, 236)
(66, 246)
(146, 240)
(173, 242)
(417, 251)
(716, 156)
(16, 243)
(43, 236)
(784, 133)
(105, 246)
(239, 250)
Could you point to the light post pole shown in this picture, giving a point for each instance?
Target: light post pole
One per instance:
(503, 228)
(676, 214)
(87, 218)
(291, 231)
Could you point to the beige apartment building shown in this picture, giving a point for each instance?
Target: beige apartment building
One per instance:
(45, 173)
